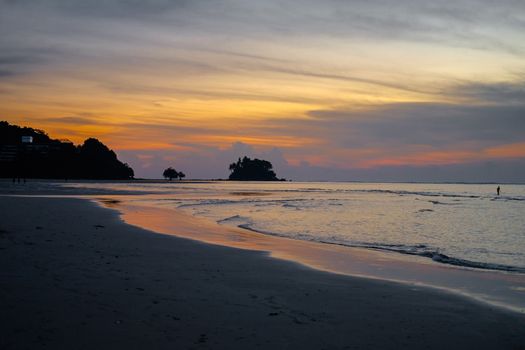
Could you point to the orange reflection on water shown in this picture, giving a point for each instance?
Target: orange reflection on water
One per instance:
(496, 288)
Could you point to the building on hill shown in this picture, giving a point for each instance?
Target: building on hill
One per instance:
(30, 153)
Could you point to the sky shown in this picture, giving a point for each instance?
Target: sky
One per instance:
(407, 90)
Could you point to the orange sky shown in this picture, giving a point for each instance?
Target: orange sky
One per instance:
(337, 86)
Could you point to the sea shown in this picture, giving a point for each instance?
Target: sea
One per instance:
(466, 225)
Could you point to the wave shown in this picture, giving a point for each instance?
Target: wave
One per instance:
(441, 203)
(417, 250)
(207, 202)
(382, 191)
(249, 197)
(420, 193)
(234, 218)
(504, 198)
(441, 194)
(255, 202)
(435, 255)
(291, 206)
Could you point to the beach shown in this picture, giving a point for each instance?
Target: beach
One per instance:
(74, 275)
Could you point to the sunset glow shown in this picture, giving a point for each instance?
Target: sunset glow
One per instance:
(340, 86)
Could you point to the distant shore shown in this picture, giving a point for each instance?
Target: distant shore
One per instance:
(75, 276)
(159, 180)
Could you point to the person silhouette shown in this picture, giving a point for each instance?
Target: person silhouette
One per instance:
(498, 190)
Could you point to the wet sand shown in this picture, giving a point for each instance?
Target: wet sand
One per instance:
(75, 276)
(504, 289)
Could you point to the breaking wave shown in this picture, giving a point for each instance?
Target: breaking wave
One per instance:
(421, 250)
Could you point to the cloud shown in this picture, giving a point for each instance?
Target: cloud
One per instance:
(405, 124)
(347, 78)
(183, 39)
(410, 20)
(110, 8)
(15, 61)
(74, 120)
(6, 73)
(496, 93)
(334, 84)
(214, 164)
(396, 142)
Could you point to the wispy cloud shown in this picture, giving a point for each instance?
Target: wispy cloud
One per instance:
(502, 93)
(340, 85)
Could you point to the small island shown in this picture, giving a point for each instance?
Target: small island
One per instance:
(247, 169)
(171, 174)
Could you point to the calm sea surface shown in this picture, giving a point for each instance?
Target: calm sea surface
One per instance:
(459, 224)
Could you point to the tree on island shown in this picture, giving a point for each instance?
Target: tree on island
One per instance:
(247, 169)
(171, 174)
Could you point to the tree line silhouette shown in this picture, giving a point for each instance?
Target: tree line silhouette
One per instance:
(39, 156)
(48, 158)
(171, 174)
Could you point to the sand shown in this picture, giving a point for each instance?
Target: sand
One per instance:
(74, 276)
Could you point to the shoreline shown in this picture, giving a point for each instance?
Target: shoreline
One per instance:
(502, 289)
(160, 180)
(76, 276)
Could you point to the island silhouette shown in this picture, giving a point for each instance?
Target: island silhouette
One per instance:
(247, 169)
(30, 153)
(171, 174)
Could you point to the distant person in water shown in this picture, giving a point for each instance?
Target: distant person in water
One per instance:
(497, 190)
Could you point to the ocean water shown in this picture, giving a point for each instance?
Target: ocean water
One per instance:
(459, 224)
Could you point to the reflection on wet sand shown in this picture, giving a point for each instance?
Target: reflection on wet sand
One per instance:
(498, 288)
